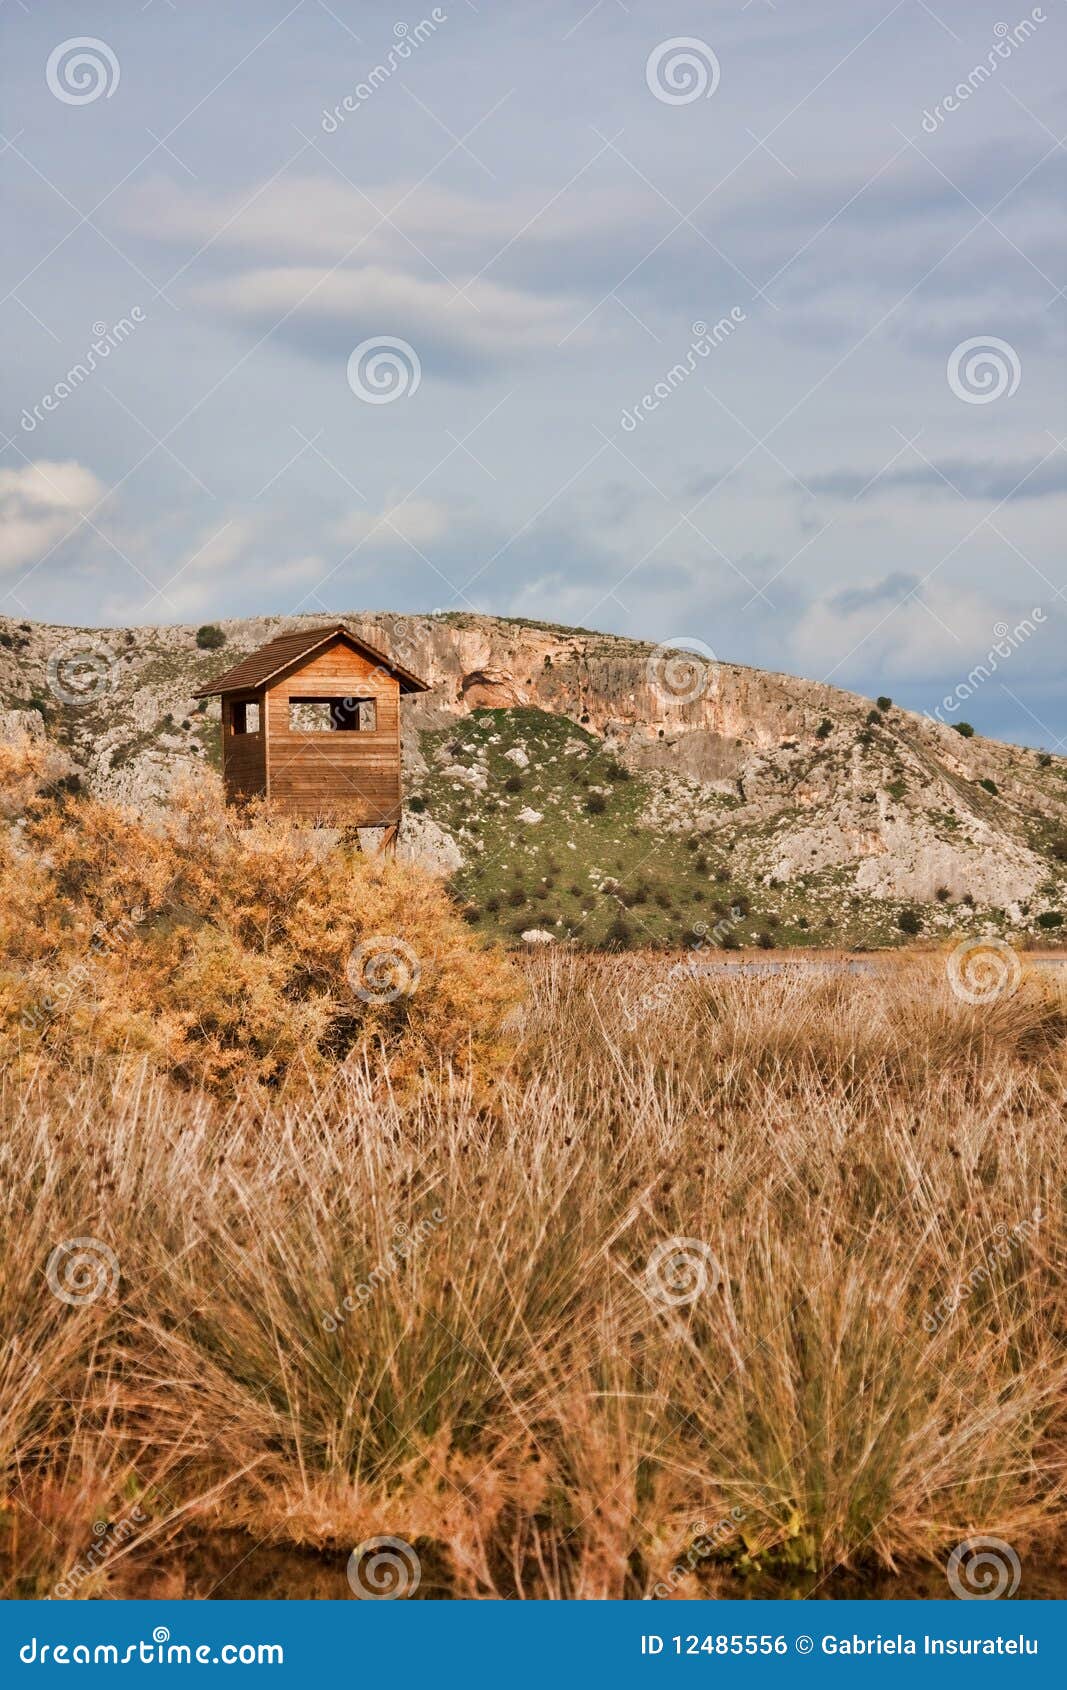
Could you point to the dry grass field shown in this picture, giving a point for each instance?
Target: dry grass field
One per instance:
(685, 1286)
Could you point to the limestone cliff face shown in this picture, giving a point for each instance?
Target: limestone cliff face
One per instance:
(628, 690)
(903, 807)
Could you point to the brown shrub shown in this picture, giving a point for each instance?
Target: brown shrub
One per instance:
(232, 949)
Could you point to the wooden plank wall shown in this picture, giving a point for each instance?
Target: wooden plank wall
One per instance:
(244, 758)
(349, 778)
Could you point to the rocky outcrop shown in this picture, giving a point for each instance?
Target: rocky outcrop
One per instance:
(490, 689)
(423, 840)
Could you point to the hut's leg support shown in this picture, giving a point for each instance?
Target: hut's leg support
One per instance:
(378, 841)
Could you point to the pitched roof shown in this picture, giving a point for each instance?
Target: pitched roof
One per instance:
(272, 659)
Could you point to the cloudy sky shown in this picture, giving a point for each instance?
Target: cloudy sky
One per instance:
(537, 214)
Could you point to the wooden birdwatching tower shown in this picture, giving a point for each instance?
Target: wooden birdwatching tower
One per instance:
(312, 721)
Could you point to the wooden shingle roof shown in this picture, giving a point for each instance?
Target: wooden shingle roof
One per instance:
(261, 667)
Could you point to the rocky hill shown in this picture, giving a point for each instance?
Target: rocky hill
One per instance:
(575, 784)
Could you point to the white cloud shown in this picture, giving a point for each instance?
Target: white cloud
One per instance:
(221, 545)
(421, 521)
(935, 630)
(296, 572)
(39, 504)
(329, 313)
(304, 217)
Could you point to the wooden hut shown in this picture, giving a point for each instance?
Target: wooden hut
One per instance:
(312, 721)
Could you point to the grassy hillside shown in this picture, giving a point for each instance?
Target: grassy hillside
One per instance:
(560, 837)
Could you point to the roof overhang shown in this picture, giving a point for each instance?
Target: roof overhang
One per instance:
(246, 676)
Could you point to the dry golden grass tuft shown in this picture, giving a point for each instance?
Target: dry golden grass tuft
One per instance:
(366, 1309)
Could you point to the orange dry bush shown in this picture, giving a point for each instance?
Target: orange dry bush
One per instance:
(230, 950)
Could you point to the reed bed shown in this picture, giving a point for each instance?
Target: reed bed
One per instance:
(712, 1280)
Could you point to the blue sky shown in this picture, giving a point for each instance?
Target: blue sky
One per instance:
(549, 206)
